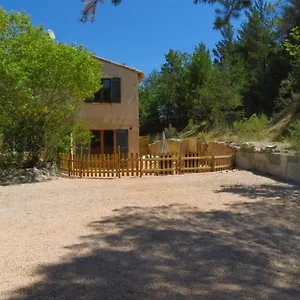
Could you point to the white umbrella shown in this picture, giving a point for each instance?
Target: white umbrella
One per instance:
(164, 144)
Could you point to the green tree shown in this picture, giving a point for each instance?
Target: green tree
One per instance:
(163, 99)
(225, 47)
(290, 16)
(151, 107)
(292, 46)
(220, 99)
(174, 89)
(167, 96)
(42, 86)
(258, 45)
(199, 71)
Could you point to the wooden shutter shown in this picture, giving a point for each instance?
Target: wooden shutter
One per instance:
(122, 140)
(116, 90)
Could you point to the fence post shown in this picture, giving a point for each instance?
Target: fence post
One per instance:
(119, 162)
(213, 164)
(141, 165)
(69, 165)
(81, 165)
(179, 163)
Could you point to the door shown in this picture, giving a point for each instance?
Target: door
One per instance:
(122, 140)
(95, 146)
(108, 142)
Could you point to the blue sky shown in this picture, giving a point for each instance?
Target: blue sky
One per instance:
(137, 33)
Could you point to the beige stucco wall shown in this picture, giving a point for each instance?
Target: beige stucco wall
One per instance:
(283, 166)
(124, 115)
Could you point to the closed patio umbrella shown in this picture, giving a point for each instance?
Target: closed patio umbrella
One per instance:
(164, 149)
(164, 144)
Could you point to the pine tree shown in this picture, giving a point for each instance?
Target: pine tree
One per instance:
(259, 47)
(225, 47)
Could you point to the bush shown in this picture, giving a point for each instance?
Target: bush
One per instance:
(295, 135)
(204, 137)
(255, 124)
(171, 132)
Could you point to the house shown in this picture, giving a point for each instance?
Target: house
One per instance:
(113, 114)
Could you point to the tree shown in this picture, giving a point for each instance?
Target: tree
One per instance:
(259, 47)
(225, 48)
(292, 46)
(290, 16)
(167, 96)
(42, 86)
(151, 107)
(163, 95)
(220, 98)
(229, 9)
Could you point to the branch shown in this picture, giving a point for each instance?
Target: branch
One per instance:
(90, 8)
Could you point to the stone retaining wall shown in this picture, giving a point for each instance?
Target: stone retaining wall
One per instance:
(283, 166)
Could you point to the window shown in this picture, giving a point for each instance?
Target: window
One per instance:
(109, 93)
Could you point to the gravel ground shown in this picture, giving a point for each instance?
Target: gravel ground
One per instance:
(209, 236)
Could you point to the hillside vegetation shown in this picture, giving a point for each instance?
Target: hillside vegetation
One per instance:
(250, 90)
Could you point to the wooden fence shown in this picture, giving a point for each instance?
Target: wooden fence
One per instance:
(119, 165)
(144, 144)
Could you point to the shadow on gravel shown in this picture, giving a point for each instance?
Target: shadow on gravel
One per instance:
(268, 191)
(250, 251)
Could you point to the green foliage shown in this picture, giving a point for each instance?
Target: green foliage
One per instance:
(290, 16)
(264, 59)
(252, 127)
(295, 135)
(292, 46)
(220, 97)
(249, 76)
(285, 95)
(171, 132)
(43, 85)
(167, 96)
(225, 48)
(204, 137)
(255, 75)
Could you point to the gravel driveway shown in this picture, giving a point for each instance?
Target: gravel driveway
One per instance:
(209, 236)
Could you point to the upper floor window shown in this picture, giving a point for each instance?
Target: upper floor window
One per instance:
(109, 93)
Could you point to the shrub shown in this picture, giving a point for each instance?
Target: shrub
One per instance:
(254, 124)
(171, 132)
(295, 135)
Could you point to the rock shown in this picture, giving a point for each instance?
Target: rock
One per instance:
(255, 149)
(17, 176)
(271, 147)
(246, 145)
(23, 178)
(236, 148)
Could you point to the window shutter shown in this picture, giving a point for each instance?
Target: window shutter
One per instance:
(116, 90)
